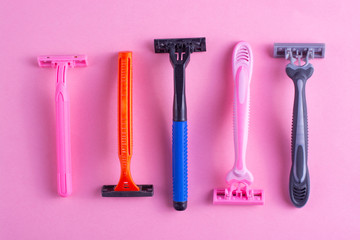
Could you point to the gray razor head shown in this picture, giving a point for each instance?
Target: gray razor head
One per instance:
(180, 44)
(317, 50)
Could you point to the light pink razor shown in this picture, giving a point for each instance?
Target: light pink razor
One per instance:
(61, 63)
(239, 177)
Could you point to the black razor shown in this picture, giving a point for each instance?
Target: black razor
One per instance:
(179, 50)
(299, 70)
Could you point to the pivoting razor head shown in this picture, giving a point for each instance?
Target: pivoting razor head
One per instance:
(180, 45)
(315, 50)
(72, 60)
(144, 191)
(238, 193)
(238, 197)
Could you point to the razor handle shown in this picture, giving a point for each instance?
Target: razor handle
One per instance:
(179, 165)
(241, 118)
(64, 178)
(125, 129)
(179, 131)
(299, 185)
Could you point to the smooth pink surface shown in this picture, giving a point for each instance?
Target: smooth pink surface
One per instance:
(29, 205)
(63, 143)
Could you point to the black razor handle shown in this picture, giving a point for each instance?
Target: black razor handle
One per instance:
(179, 61)
(299, 185)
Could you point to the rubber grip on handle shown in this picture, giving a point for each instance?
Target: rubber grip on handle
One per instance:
(179, 164)
(299, 176)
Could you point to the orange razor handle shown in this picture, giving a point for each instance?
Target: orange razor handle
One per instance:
(126, 182)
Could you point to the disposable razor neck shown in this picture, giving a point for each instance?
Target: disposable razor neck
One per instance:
(179, 107)
(61, 70)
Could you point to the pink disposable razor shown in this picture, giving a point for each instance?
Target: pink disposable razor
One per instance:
(62, 63)
(240, 178)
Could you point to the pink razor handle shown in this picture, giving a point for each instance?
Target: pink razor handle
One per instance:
(64, 173)
(63, 132)
(242, 71)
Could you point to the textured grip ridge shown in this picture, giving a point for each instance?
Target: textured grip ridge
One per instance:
(299, 185)
(179, 161)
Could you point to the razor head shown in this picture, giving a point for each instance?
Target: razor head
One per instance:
(53, 60)
(256, 197)
(180, 45)
(144, 191)
(315, 50)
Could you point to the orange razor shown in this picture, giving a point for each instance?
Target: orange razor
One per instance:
(126, 186)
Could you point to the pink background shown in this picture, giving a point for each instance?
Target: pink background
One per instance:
(29, 205)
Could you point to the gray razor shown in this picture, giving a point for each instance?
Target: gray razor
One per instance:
(299, 70)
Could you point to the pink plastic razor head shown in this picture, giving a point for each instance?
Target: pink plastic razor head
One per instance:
(72, 60)
(238, 196)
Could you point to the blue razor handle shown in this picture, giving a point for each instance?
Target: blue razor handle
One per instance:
(179, 165)
(299, 185)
